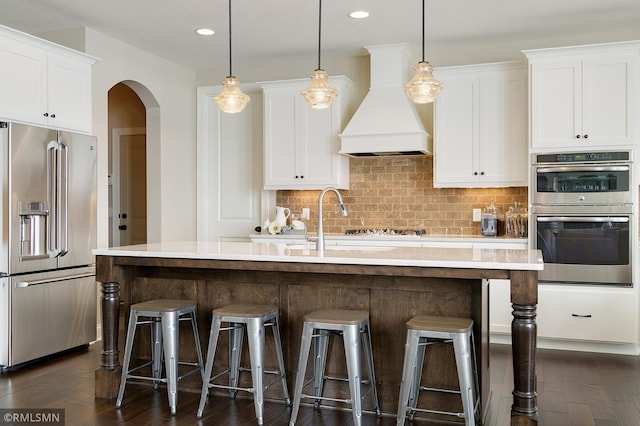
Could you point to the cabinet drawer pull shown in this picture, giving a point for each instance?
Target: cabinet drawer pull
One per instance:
(581, 316)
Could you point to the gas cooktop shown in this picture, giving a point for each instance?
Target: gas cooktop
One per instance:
(385, 232)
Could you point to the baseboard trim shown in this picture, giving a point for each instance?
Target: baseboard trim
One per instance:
(574, 345)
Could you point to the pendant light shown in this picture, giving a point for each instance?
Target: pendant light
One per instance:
(423, 87)
(231, 99)
(319, 94)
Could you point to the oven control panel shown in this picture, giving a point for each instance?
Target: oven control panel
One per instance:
(583, 157)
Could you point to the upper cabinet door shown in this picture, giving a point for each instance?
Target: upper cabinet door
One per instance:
(502, 150)
(609, 96)
(280, 148)
(456, 135)
(69, 93)
(23, 82)
(585, 100)
(318, 152)
(556, 103)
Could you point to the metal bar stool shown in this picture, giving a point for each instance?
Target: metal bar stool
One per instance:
(253, 318)
(351, 325)
(164, 317)
(427, 330)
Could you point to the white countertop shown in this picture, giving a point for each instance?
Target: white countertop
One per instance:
(354, 255)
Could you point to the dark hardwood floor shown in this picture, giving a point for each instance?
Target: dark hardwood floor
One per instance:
(574, 388)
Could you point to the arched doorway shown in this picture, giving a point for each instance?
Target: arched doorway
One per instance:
(127, 167)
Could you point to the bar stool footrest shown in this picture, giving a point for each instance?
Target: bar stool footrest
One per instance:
(446, 413)
(163, 379)
(326, 398)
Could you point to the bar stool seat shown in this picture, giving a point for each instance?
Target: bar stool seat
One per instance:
(253, 318)
(427, 330)
(353, 326)
(164, 316)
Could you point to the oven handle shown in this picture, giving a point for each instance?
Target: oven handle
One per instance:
(581, 219)
(582, 169)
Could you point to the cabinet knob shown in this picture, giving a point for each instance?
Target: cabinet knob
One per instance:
(586, 136)
(578, 136)
(475, 173)
(481, 173)
(46, 114)
(299, 177)
(53, 116)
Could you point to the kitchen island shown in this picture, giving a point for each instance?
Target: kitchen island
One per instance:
(392, 283)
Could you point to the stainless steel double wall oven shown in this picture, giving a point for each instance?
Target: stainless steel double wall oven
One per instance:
(582, 217)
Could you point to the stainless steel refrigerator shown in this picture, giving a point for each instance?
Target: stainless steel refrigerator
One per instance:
(47, 271)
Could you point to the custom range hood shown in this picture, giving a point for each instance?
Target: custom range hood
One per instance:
(386, 123)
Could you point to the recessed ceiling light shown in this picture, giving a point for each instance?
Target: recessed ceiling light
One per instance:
(205, 31)
(359, 14)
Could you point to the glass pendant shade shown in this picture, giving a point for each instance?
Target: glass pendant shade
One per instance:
(231, 99)
(423, 87)
(319, 94)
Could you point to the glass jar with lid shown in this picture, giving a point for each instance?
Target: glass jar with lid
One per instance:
(517, 219)
(489, 220)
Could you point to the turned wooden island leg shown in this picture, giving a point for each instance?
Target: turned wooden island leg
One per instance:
(107, 376)
(524, 299)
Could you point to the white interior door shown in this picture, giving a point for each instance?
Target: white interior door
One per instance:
(129, 187)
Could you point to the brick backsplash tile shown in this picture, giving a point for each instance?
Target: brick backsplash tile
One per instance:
(398, 193)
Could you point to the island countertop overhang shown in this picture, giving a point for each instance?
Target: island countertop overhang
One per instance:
(427, 257)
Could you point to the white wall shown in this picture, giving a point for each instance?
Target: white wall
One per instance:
(171, 148)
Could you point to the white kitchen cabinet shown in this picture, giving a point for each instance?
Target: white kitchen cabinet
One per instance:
(500, 310)
(301, 144)
(43, 83)
(231, 202)
(587, 313)
(571, 312)
(480, 127)
(584, 97)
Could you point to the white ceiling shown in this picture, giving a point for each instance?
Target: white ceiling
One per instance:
(268, 28)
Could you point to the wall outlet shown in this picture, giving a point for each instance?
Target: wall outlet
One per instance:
(477, 215)
(305, 213)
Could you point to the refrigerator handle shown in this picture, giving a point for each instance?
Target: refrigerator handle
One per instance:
(53, 187)
(64, 193)
(24, 284)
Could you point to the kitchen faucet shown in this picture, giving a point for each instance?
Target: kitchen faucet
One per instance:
(343, 210)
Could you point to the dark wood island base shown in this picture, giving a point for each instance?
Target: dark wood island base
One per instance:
(391, 294)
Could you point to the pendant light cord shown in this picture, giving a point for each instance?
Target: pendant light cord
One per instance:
(230, 69)
(422, 30)
(319, 29)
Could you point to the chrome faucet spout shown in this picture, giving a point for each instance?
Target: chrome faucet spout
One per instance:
(343, 211)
